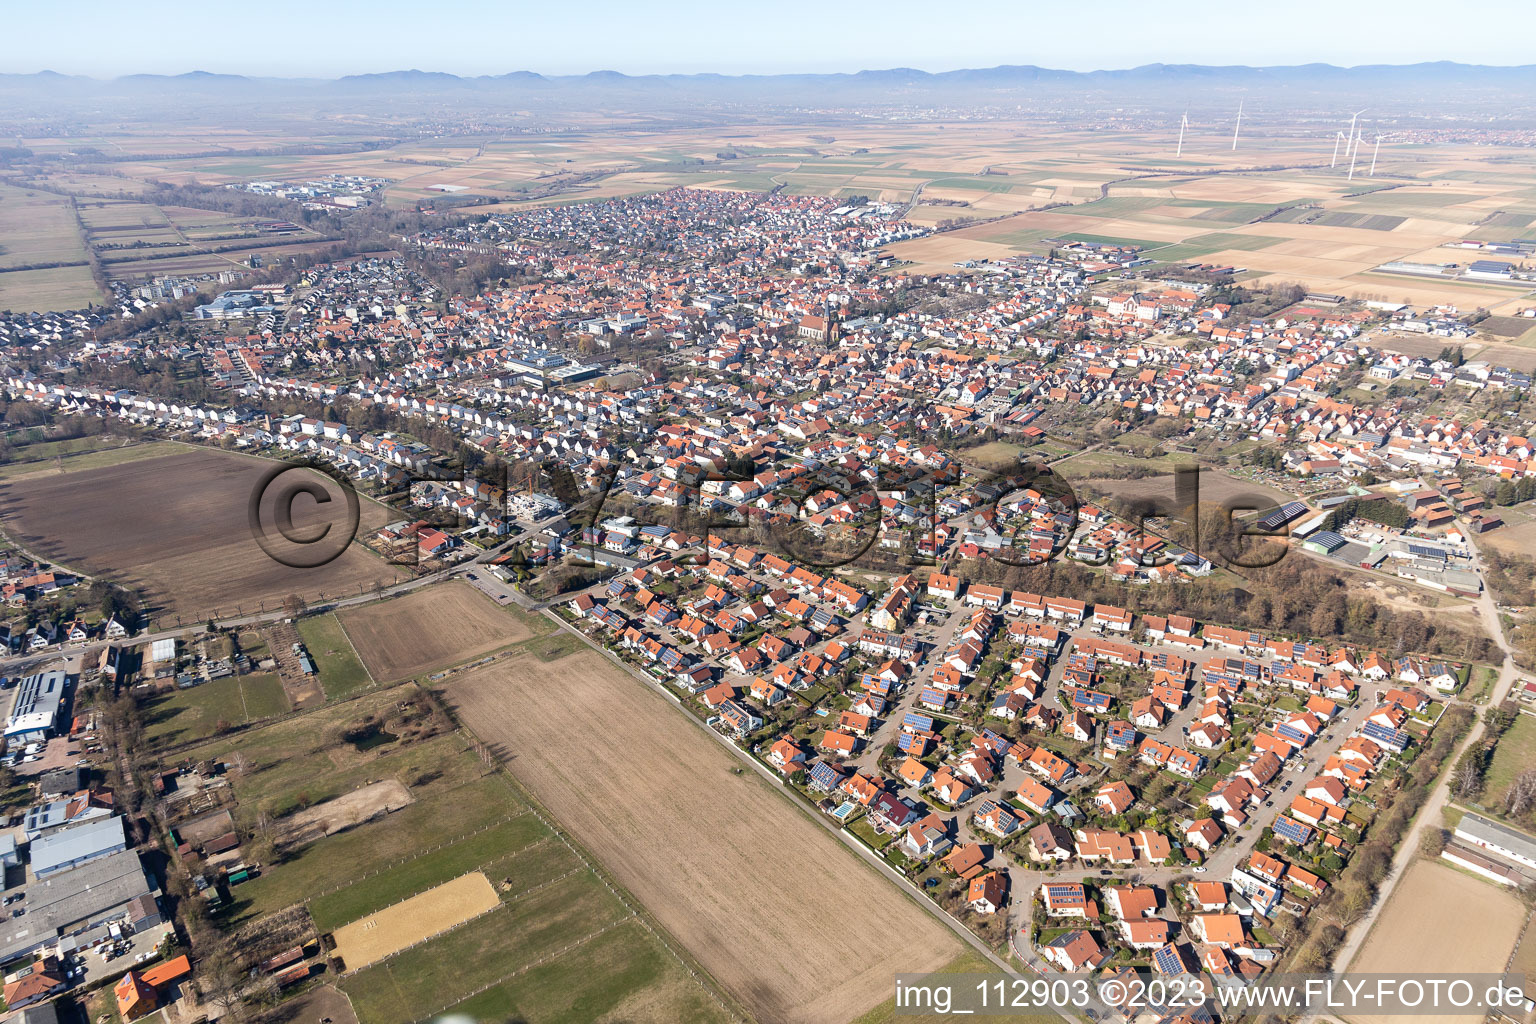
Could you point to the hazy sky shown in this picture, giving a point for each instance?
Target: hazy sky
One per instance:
(328, 38)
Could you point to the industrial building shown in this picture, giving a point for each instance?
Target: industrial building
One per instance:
(72, 847)
(80, 906)
(1516, 847)
(39, 701)
(1325, 542)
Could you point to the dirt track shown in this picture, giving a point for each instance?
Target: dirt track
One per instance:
(344, 812)
(785, 918)
(408, 922)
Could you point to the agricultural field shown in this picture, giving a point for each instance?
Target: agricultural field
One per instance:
(66, 220)
(54, 288)
(177, 531)
(38, 228)
(460, 892)
(753, 894)
(1293, 221)
(432, 628)
(1474, 922)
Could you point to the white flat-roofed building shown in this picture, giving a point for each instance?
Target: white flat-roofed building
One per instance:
(1499, 839)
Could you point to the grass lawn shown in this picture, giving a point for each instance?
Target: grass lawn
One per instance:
(502, 842)
(865, 831)
(994, 454)
(554, 646)
(1482, 678)
(96, 458)
(198, 713)
(422, 980)
(46, 451)
(277, 767)
(595, 981)
(341, 672)
(101, 1005)
(377, 844)
(1515, 753)
(264, 696)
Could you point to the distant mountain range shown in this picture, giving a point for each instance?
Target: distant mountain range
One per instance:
(1407, 89)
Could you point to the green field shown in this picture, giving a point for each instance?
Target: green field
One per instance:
(379, 844)
(37, 228)
(423, 980)
(506, 845)
(986, 183)
(341, 673)
(1369, 221)
(202, 711)
(40, 452)
(598, 980)
(294, 762)
(51, 289)
(1515, 753)
(994, 455)
(90, 453)
(1216, 241)
(1078, 236)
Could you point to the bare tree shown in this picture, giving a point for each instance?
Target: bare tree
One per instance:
(1522, 793)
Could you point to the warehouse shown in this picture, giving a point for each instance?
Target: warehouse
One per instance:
(1325, 542)
(83, 902)
(39, 700)
(1281, 516)
(71, 847)
(1516, 847)
(1490, 270)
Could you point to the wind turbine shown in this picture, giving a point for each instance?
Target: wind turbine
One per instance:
(1353, 154)
(1351, 139)
(1183, 124)
(1337, 138)
(1374, 154)
(1238, 127)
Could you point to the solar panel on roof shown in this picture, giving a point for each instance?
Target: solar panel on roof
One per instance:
(1282, 515)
